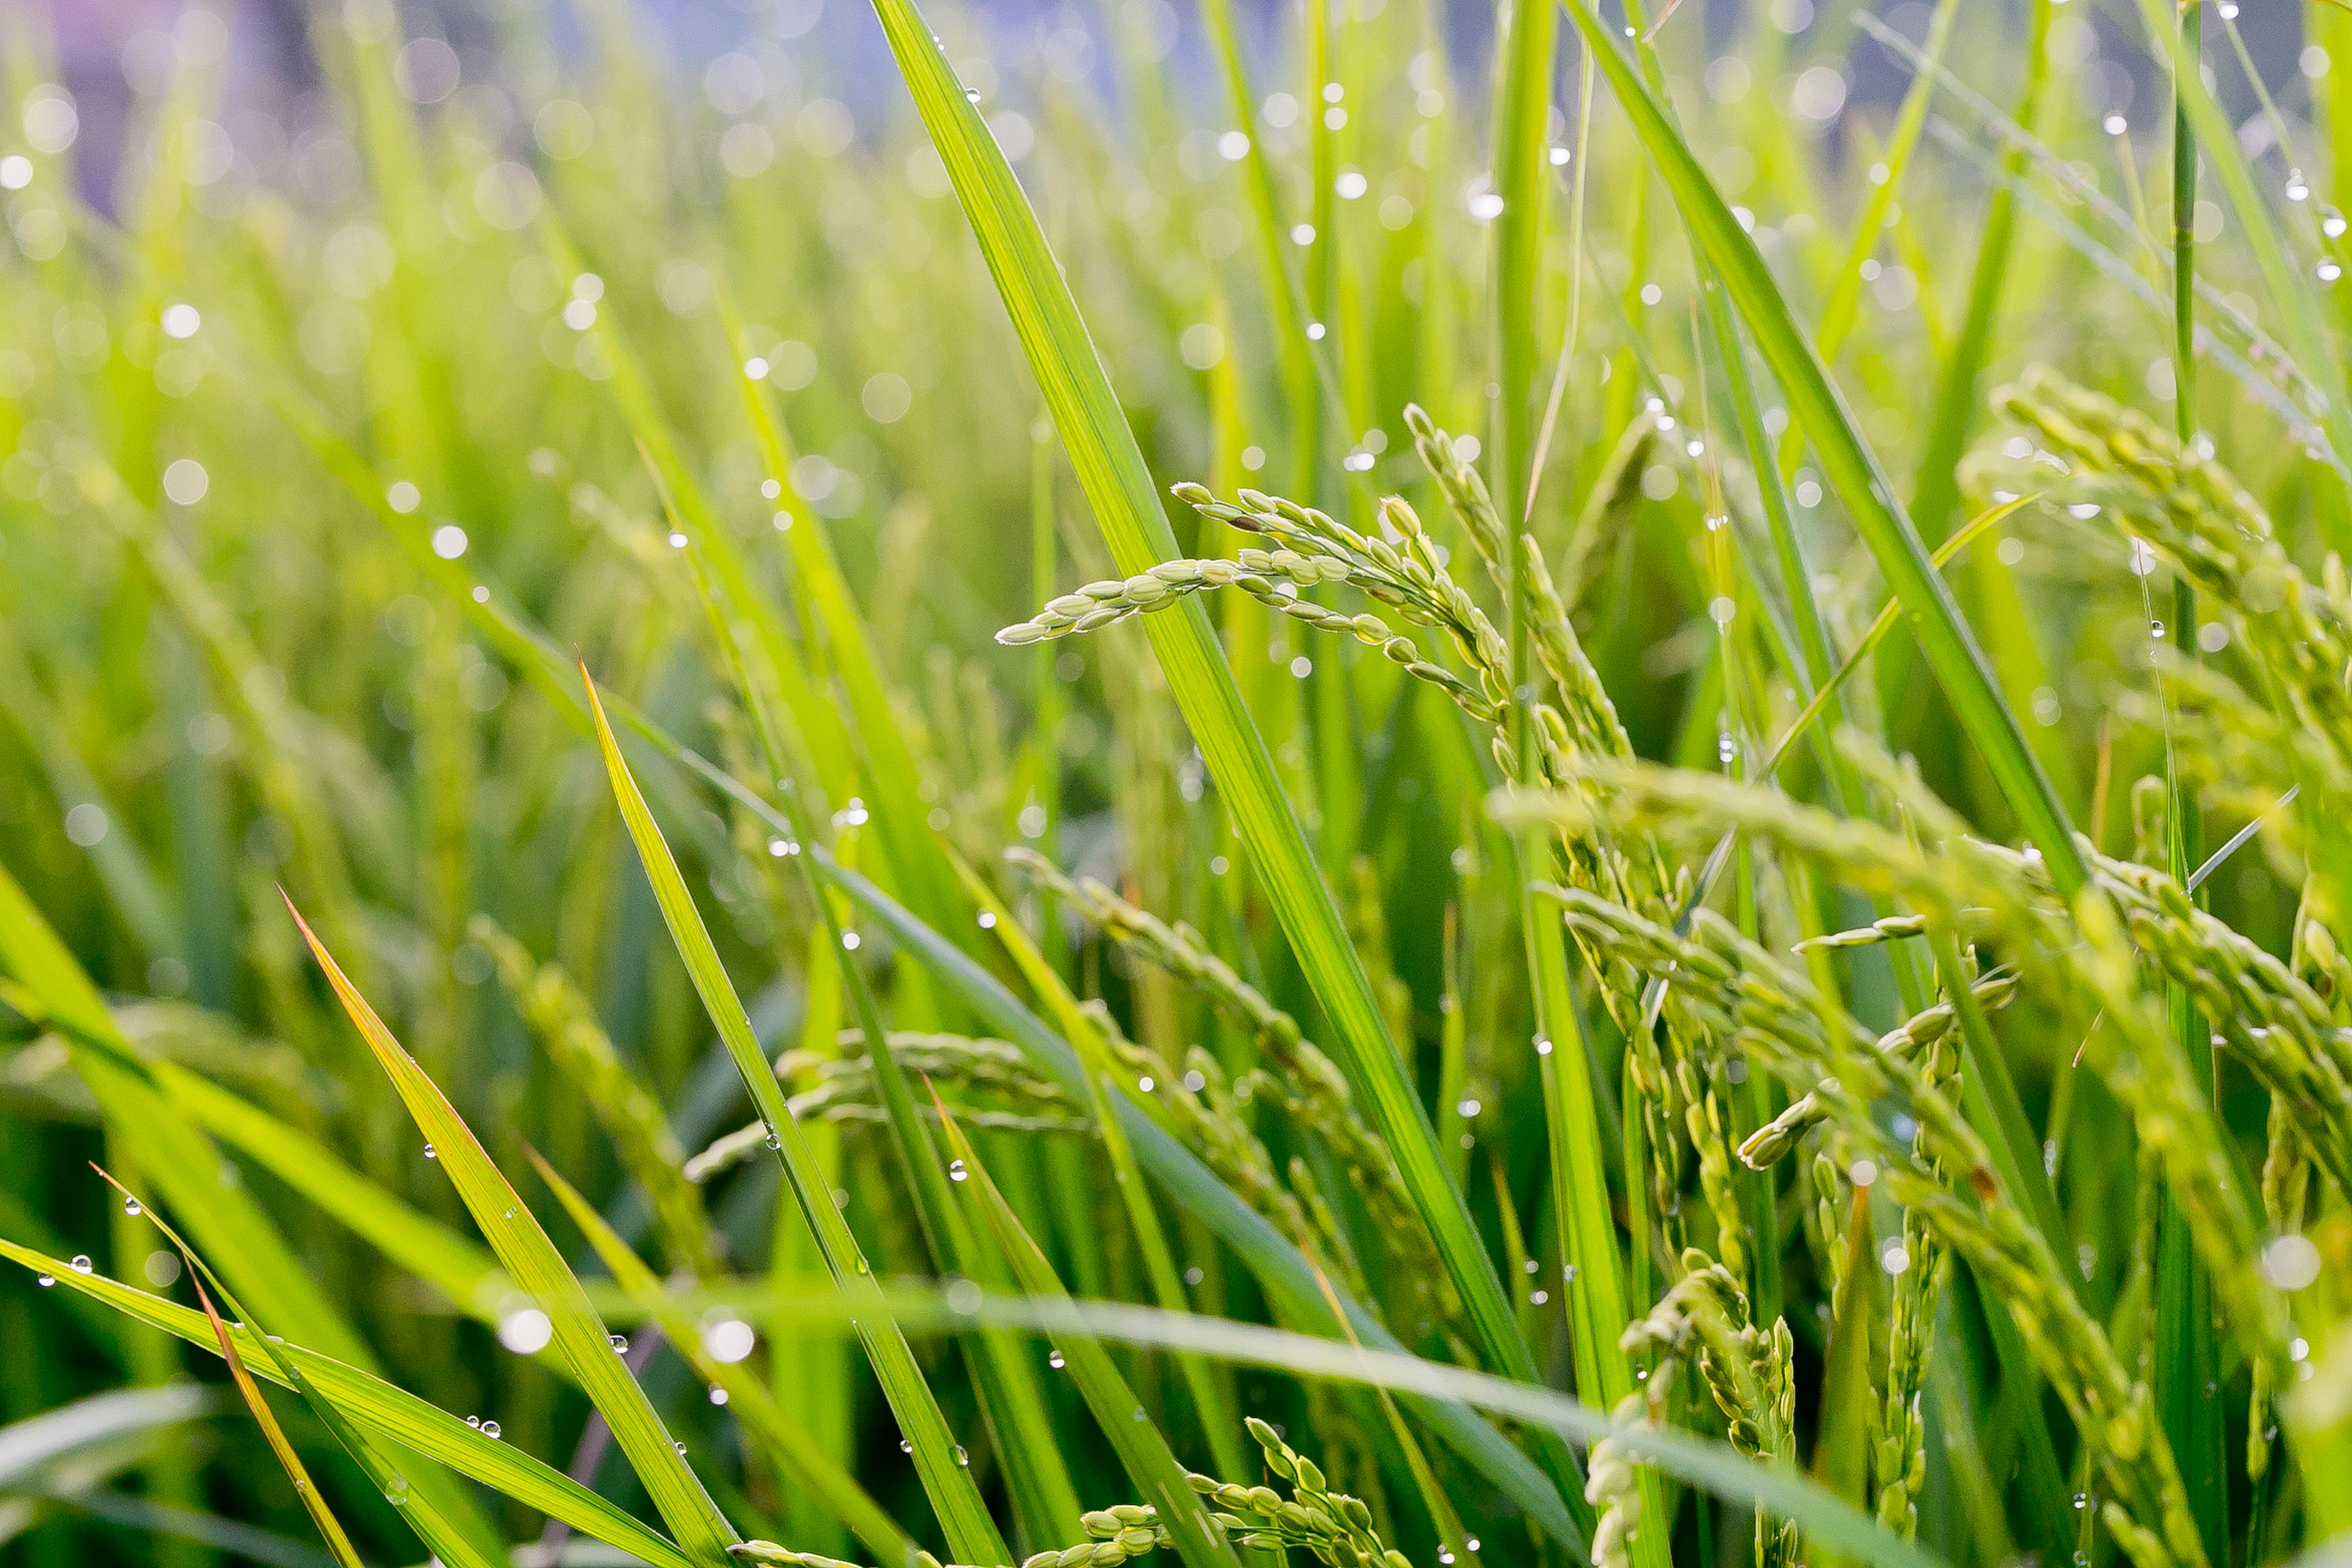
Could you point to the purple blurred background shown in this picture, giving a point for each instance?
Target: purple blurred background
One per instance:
(106, 47)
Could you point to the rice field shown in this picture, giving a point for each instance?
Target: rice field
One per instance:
(1375, 783)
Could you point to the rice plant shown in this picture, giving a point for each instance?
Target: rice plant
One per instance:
(1383, 783)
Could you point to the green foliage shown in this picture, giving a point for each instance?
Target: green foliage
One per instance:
(1577, 978)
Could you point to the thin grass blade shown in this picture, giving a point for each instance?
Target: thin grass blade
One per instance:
(764, 1420)
(972, 1535)
(538, 1270)
(1850, 464)
(1141, 1448)
(330, 1528)
(382, 1407)
(1118, 486)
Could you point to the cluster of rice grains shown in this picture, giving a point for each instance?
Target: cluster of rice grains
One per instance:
(1697, 999)
(1334, 1529)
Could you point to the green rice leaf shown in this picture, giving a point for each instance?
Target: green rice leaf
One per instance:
(330, 1528)
(1141, 1449)
(581, 1338)
(382, 1407)
(765, 1421)
(1850, 464)
(442, 1539)
(972, 1535)
(1118, 488)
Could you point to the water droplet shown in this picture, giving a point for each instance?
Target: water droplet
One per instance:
(395, 1491)
(963, 1460)
(775, 1140)
(475, 1421)
(956, 1172)
(490, 1430)
(1053, 1359)
(971, 94)
(2082, 1500)
(130, 1207)
(620, 1343)
(679, 1449)
(906, 1445)
(46, 1281)
(718, 1396)
(82, 1263)
(431, 1152)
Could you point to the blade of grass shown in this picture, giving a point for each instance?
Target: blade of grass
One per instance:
(1935, 493)
(1299, 1291)
(440, 1538)
(971, 1533)
(2187, 1365)
(182, 1162)
(890, 772)
(452, 1264)
(1707, 1463)
(1111, 471)
(2215, 137)
(380, 1406)
(1851, 465)
(1209, 1402)
(1295, 354)
(709, 541)
(1046, 1506)
(1880, 625)
(330, 1528)
(764, 1421)
(1277, 1263)
(1141, 1449)
(538, 1270)
(1526, 43)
